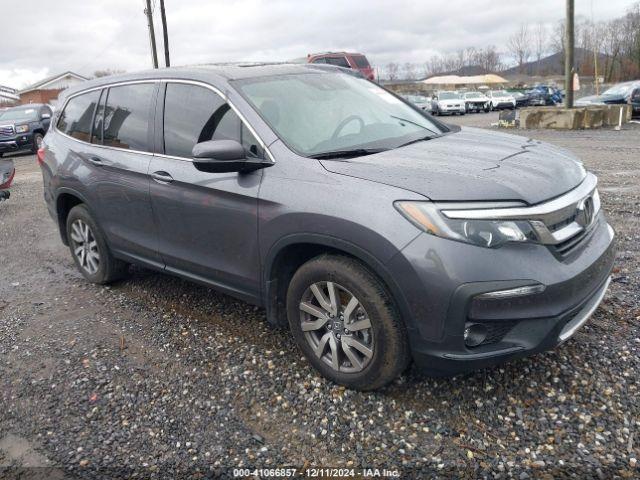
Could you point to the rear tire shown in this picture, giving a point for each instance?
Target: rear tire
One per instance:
(89, 248)
(367, 342)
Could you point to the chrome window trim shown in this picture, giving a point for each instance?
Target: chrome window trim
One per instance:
(216, 90)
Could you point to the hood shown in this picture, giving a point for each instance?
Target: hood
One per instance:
(471, 165)
(451, 101)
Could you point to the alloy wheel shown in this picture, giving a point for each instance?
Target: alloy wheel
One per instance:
(337, 327)
(85, 246)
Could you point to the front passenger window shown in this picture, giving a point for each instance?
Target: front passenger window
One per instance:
(194, 114)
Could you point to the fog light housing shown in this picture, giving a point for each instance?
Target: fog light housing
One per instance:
(474, 334)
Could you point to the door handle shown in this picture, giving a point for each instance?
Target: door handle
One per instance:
(162, 177)
(97, 161)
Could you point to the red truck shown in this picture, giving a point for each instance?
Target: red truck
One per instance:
(355, 61)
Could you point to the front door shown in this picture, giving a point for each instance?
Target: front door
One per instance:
(207, 222)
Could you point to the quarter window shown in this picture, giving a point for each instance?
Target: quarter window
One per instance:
(194, 114)
(126, 117)
(75, 119)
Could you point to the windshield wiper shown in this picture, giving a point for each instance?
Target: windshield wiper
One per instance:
(354, 152)
(413, 123)
(421, 139)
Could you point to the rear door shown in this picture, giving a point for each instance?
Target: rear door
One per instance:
(207, 222)
(113, 158)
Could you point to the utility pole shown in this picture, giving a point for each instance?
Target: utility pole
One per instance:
(568, 56)
(165, 34)
(152, 34)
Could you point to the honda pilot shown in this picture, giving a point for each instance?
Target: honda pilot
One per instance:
(376, 233)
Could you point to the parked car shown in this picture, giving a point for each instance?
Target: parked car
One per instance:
(419, 101)
(551, 94)
(448, 102)
(499, 99)
(476, 102)
(522, 99)
(375, 232)
(24, 127)
(626, 92)
(355, 61)
(7, 172)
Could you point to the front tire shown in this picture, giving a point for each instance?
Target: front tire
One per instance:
(37, 142)
(89, 248)
(346, 324)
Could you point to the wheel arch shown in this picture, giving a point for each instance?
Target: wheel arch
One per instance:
(66, 199)
(289, 253)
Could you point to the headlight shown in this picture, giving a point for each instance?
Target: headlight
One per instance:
(22, 128)
(484, 233)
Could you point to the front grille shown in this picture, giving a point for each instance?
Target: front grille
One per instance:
(6, 131)
(565, 248)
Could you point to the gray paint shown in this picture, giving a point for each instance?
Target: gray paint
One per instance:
(226, 229)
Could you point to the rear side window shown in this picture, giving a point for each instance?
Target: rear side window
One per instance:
(75, 120)
(339, 61)
(194, 114)
(126, 117)
(361, 61)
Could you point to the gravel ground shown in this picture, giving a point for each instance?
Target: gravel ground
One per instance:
(155, 377)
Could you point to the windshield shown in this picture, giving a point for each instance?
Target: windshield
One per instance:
(327, 112)
(499, 93)
(619, 90)
(473, 95)
(449, 96)
(14, 114)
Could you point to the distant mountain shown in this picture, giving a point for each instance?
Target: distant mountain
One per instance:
(554, 64)
(467, 71)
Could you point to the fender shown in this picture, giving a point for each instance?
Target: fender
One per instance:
(276, 313)
(75, 193)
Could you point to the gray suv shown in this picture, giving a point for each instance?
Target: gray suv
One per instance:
(378, 234)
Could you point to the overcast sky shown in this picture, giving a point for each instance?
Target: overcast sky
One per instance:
(49, 37)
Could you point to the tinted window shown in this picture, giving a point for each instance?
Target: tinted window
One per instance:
(75, 119)
(319, 60)
(195, 114)
(361, 61)
(126, 117)
(339, 61)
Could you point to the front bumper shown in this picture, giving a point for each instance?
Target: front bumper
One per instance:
(442, 289)
(16, 143)
(477, 105)
(502, 105)
(451, 108)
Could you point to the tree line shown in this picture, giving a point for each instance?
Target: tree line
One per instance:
(614, 45)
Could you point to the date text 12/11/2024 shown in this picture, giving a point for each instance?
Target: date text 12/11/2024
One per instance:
(320, 472)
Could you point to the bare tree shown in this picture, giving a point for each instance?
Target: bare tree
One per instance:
(106, 72)
(539, 43)
(519, 45)
(392, 70)
(409, 71)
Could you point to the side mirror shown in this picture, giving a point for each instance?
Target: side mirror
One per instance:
(224, 156)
